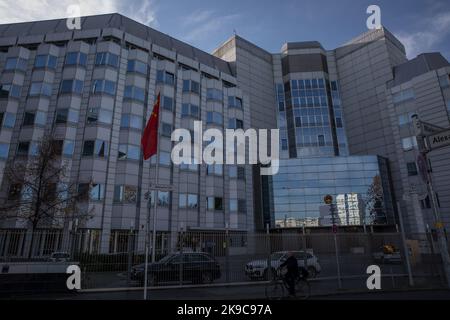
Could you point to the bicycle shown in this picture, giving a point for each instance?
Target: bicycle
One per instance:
(277, 288)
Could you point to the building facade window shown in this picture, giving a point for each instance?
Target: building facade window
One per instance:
(405, 119)
(214, 94)
(13, 64)
(238, 205)
(7, 120)
(163, 199)
(68, 148)
(214, 203)
(214, 169)
(134, 93)
(214, 118)
(232, 171)
(166, 129)
(98, 115)
(40, 89)
(107, 59)
(136, 66)
(125, 194)
(23, 148)
(165, 77)
(409, 143)
(191, 86)
(188, 200)
(34, 118)
(131, 121)
(167, 103)
(128, 151)
(403, 96)
(98, 148)
(45, 61)
(104, 86)
(235, 124)
(76, 59)
(97, 192)
(444, 81)
(189, 167)
(234, 102)
(14, 191)
(190, 110)
(10, 90)
(4, 151)
(71, 86)
(65, 115)
(164, 158)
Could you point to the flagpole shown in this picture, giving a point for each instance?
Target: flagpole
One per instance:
(156, 188)
(149, 205)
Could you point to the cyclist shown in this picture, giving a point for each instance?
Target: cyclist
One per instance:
(291, 275)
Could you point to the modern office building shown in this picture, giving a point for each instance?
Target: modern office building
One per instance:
(380, 90)
(340, 130)
(343, 116)
(315, 159)
(92, 90)
(421, 86)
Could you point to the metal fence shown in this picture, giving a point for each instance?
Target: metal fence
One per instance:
(334, 261)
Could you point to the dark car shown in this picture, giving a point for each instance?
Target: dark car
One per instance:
(195, 267)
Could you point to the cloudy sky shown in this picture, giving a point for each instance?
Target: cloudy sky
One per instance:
(422, 25)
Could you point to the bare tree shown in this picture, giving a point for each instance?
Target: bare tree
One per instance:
(39, 191)
(374, 201)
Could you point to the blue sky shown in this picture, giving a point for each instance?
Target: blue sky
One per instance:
(422, 25)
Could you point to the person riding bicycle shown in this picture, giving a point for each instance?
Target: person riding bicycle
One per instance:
(292, 273)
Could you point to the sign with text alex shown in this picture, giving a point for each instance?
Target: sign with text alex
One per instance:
(439, 140)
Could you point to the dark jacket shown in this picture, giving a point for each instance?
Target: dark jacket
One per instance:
(292, 266)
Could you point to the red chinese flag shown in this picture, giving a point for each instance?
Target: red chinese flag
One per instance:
(149, 140)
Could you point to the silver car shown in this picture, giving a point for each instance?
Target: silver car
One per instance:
(257, 269)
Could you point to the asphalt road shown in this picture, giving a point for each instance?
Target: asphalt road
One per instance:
(244, 293)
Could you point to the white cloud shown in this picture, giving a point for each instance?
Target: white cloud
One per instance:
(435, 30)
(204, 24)
(31, 10)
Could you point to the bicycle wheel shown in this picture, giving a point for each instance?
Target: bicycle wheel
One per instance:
(274, 290)
(302, 289)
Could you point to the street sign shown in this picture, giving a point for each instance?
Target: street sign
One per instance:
(439, 140)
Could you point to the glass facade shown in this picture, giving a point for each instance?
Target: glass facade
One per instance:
(359, 186)
(310, 118)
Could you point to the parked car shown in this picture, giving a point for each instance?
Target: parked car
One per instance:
(257, 269)
(388, 254)
(60, 257)
(197, 267)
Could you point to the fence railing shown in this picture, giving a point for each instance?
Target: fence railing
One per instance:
(333, 260)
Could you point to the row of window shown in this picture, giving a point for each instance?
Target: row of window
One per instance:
(308, 84)
(7, 120)
(10, 90)
(234, 172)
(75, 86)
(60, 148)
(128, 194)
